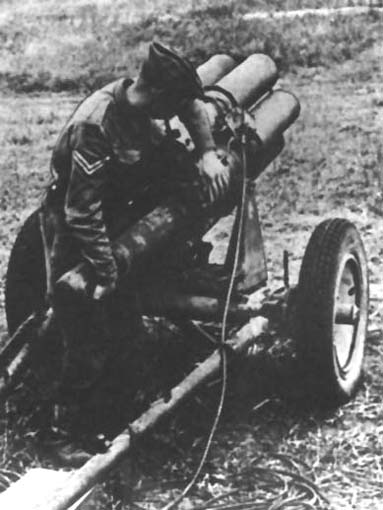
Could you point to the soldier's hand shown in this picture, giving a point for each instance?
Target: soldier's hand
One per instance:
(101, 291)
(215, 175)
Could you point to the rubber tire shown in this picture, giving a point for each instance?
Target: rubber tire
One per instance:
(25, 279)
(331, 243)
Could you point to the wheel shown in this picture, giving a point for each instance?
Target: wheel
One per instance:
(25, 280)
(25, 289)
(332, 310)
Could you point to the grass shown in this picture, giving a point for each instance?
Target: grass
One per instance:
(82, 48)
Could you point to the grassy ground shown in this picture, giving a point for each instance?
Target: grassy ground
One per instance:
(79, 46)
(332, 166)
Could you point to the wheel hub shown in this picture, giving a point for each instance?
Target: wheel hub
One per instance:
(347, 313)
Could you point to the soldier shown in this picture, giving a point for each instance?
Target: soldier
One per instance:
(109, 150)
(111, 161)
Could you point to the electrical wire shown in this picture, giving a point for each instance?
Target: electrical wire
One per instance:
(222, 343)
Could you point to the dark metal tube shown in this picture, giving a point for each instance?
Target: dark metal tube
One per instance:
(152, 232)
(181, 306)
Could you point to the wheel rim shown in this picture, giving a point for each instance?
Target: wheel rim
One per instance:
(346, 325)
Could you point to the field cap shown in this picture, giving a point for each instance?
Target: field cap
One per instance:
(165, 69)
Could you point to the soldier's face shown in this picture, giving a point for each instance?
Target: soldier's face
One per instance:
(157, 102)
(162, 105)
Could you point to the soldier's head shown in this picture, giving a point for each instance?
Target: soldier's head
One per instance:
(165, 81)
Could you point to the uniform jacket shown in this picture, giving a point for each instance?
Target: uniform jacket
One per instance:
(99, 159)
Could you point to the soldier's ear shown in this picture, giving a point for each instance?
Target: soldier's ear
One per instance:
(139, 93)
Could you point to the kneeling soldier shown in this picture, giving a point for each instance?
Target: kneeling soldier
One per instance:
(111, 161)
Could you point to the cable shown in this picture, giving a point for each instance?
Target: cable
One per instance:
(222, 350)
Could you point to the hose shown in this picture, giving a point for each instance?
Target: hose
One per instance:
(222, 342)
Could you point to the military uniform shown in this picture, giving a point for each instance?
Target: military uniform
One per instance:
(108, 154)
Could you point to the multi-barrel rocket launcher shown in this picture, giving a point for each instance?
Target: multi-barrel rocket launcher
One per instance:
(325, 312)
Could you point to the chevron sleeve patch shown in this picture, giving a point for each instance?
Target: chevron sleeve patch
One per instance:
(88, 167)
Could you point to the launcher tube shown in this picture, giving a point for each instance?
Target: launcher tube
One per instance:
(274, 114)
(215, 68)
(251, 79)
